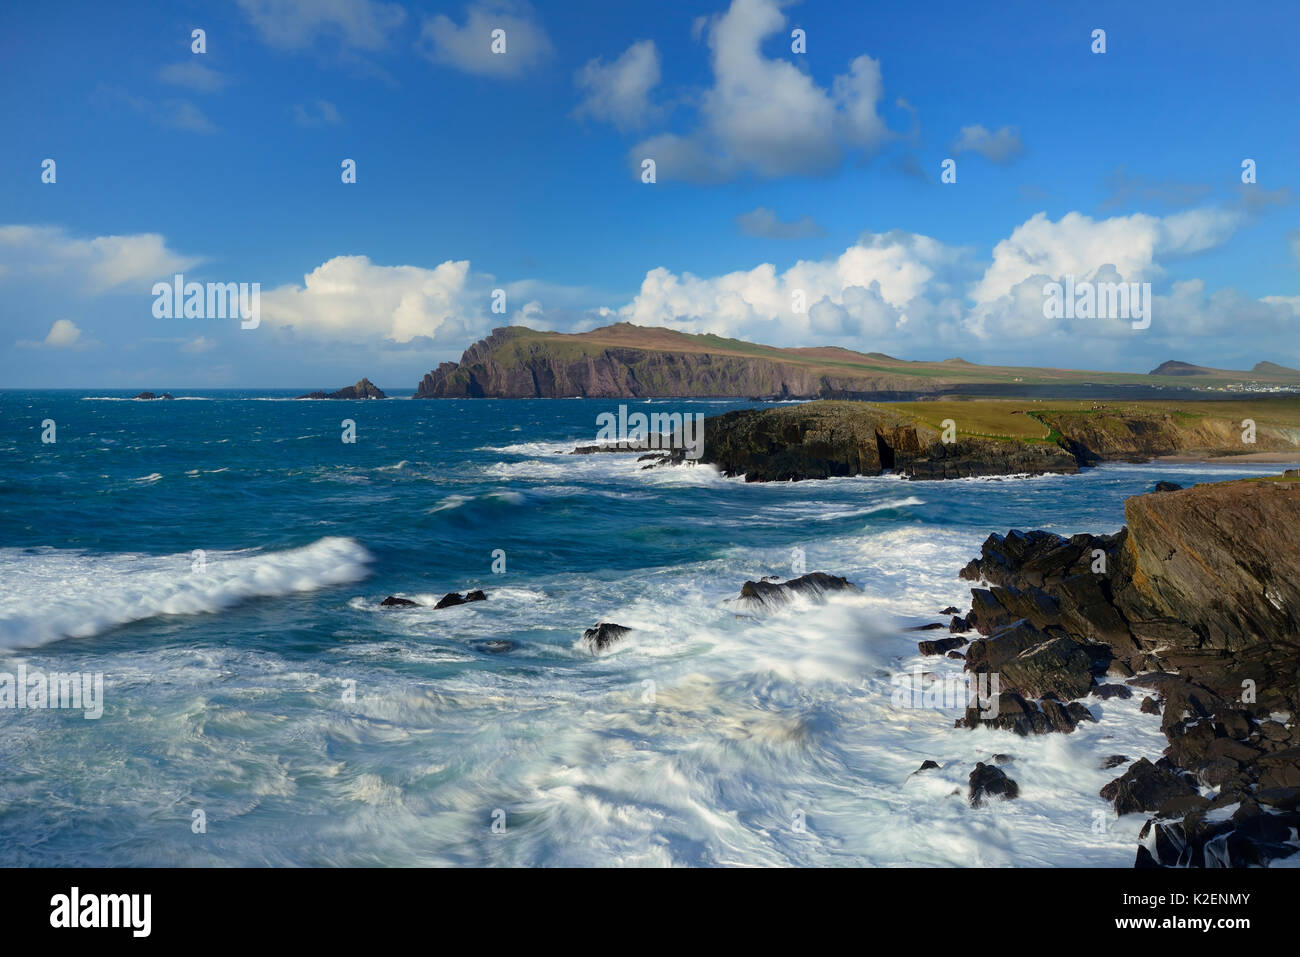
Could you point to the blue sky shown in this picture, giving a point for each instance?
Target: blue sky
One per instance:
(776, 171)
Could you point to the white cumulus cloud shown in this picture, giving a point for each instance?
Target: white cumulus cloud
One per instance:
(619, 92)
(469, 48)
(766, 115)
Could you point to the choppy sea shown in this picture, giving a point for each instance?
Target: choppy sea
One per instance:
(220, 560)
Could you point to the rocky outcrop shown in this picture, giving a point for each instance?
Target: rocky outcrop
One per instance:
(456, 598)
(1197, 600)
(151, 395)
(364, 389)
(770, 593)
(834, 438)
(449, 600)
(980, 458)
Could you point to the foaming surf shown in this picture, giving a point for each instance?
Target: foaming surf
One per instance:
(67, 593)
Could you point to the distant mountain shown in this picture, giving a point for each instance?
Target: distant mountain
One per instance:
(1174, 367)
(628, 361)
(1262, 371)
(1272, 368)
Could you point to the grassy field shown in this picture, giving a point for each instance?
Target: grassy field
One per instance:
(1021, 419)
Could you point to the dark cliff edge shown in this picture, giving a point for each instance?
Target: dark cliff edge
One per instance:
(826, 439)
(1196, 604)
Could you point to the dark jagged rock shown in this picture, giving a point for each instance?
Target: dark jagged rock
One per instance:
(1149, 706)
(939, 646)
(1058, 668)
(1114, 761)
(978, 458)
(926, 766)
(1013, 713)
(1106, 692)
(1144, 787)
(813, 585)
(933, 626)
(455, 598)
(988, 781)
(364, 389)
(151, 395)
(951, 610)
(1167, 487)
(393, 602)
(603, 635)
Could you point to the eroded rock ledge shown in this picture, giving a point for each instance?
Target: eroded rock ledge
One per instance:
(834, 438)
(1197, 602)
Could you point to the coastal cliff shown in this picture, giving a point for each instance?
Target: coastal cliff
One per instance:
(629, 361)
(626, 362)
(1196, 601)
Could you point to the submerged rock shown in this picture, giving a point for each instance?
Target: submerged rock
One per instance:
(394, 602)
(493, 646)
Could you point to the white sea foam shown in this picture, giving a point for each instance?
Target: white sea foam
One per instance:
(66, 593)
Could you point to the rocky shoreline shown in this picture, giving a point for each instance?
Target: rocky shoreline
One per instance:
(1195, 603)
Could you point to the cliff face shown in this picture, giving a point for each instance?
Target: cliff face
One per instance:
(1224, 560)
(512, 363)
(1106, 436)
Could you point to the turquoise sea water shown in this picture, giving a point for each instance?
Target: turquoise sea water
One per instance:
(261, 684)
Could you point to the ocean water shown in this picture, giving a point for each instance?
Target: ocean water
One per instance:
(260, 690)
